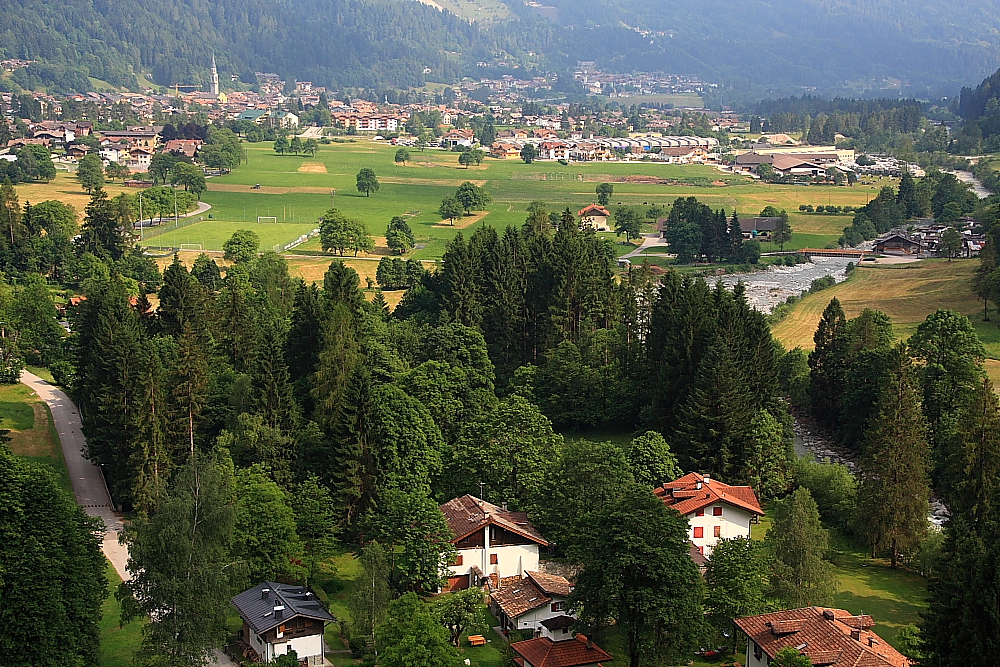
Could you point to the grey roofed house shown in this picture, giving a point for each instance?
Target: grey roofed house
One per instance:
(759, 225)
(257, 605)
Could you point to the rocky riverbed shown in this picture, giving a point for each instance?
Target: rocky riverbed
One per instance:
(813, 440)
(767, 289)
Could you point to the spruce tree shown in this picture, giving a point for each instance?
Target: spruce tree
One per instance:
(183, 302)
(735, 237)
(826, 362)
(894, 486)
(460, 289)
(189, 392)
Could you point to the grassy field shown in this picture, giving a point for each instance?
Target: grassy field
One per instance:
(894, 598)
(299, 189)
(907, 293)
(31, 431)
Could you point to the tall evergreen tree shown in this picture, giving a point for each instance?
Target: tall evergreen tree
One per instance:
(103, 233)
(894, 483)
(797, 544)
(183, 302)
(826, 362)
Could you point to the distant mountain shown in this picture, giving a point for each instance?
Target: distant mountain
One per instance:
(762, 47)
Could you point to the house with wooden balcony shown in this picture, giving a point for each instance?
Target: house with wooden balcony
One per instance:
(279, 618)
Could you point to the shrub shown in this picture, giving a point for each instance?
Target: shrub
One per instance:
(832, 486)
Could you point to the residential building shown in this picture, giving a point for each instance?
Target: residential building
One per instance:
(791, 165)
(454, 138)
(526, 603)
(594, 216)
(186, 147)
(828, 637)
(286, 119)
(491, 542)
(139, 159)
(716, 511)
(578, 651)
(278, 618)
(254, 115)
(759, 228)
(901, 243)
(501, 150)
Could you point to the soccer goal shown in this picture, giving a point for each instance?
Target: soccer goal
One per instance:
(191, 246)
(267, 218)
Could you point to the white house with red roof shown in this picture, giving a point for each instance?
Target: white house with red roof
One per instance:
(573, 651)
(828, 637)
(532, 603)
(594, 216)
(715, 510)
(492, 542)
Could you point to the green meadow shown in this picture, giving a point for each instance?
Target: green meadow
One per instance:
(297, 190)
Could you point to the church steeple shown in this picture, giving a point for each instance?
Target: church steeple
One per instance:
(213, 85)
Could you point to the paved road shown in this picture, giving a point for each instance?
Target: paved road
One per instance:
(651, 240)
(88, 482)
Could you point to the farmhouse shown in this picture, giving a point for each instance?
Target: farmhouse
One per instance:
(828, 637)
(715, 510)
(278, 618)
(527, 603)
(544, 651)
(755, 228)
(897, 243)
(594, 216)
(491, 542)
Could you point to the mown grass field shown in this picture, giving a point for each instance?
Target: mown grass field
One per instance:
(32, 433)
(299, 189)
(907, 293)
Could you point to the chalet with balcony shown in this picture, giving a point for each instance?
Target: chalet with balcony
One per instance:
(594, 216)
(278, 618)
(492, 542)
(716, 511)
(828, 637)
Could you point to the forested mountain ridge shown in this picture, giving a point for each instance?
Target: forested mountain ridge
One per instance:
(765, 47)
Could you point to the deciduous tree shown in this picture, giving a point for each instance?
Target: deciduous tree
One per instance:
(797, 544)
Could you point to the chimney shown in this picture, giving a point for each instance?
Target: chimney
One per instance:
(697, 486)
(265, 593)
(856, 635)
(871, 642)
(278, 612)
(708, 479)
(504, 506)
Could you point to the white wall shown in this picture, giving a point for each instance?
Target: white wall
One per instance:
(512, 561)
(533, 619)
(734, 522)
(307, 646)
(751, 660)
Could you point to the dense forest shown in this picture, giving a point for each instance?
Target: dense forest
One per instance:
(388, 43)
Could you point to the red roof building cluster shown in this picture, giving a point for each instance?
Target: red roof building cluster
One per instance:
(829, 637)
(543, 652)
(467, 514)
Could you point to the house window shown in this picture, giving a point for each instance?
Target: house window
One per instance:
(458, 559)
(558, 606)
(699, 531)
(700, 513)
(494, 559)
(757, 652)
(716, 511)
(717, 531)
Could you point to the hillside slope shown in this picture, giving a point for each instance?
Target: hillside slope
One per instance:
(763, 47)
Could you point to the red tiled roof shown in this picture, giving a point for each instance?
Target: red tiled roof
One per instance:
(543, 652)
(517, 599)
(594, 209)
(551, 584)
(825, 635)
(467, 514)
(684, 495)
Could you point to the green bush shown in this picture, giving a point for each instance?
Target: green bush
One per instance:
(832, 486)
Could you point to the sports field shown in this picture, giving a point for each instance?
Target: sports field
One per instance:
(907, 293)
(296, 190)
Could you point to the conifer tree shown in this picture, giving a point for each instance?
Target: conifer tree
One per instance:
(711, 431)
(826, 362)
(460, 275)
(189, 391)
(304, 340)
(735, 237)
(183, 301)
(894, 484)
(974, 464)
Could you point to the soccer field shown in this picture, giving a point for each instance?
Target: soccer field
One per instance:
(211, 234)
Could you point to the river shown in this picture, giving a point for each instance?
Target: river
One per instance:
(977, 187)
